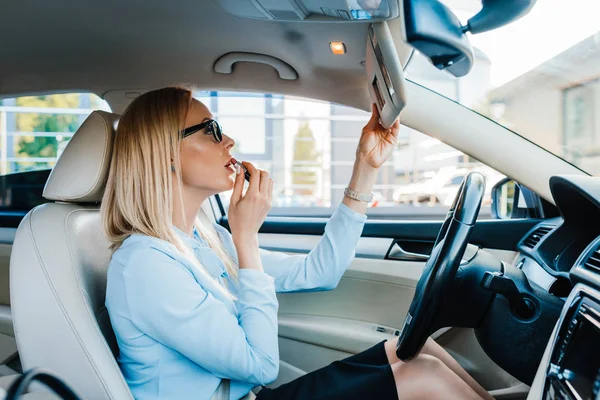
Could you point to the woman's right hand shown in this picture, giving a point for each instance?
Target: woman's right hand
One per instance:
(247, 211)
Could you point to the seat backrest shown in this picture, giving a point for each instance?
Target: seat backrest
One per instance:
(58, 271)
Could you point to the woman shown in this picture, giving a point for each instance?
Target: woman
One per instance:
(193, 307)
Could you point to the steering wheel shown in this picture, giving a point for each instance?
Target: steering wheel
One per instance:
(440, 269)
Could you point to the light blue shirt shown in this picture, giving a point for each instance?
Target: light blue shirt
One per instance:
(179, 335)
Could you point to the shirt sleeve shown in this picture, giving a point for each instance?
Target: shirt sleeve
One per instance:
(323, 267)
(168, 304)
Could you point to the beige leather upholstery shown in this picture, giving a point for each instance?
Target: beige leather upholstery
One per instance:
(6, 381)
(58, 271)
(80, 173)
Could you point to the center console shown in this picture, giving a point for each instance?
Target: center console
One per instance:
(573, 368)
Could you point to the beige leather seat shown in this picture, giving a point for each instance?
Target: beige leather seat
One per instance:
(58, 271)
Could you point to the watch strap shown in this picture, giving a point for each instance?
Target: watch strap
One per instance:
(353, 194)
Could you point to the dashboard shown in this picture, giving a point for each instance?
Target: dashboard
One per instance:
(562, 255)
(556, 244)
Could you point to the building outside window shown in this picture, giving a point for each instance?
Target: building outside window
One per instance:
(580, 132)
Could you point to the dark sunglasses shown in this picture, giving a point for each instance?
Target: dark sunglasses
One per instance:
(212, 128)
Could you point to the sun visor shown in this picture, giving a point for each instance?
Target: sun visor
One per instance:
(385, 77)
(313, 10)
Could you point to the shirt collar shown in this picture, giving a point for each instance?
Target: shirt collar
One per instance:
(195, 243)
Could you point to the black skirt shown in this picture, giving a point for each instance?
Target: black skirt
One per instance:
(365, 375)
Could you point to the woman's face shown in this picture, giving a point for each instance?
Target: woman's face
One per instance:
(203, 159)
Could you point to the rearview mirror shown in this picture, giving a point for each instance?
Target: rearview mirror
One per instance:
(497, 13)
(434, 30)
(511, 201)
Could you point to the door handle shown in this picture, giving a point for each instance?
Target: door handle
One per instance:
(398, 253)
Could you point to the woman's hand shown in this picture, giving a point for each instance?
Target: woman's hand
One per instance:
(374, 147)
(376, 143)
(247, 212)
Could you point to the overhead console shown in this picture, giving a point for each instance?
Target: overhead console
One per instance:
(313, 10)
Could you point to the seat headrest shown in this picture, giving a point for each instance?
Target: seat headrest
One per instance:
(81, 172)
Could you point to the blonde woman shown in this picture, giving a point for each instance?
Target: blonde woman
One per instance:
(193, 307)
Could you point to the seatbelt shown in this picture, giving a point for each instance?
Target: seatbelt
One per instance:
(222, 392)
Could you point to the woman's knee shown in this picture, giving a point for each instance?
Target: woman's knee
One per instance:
(423, 364)
(418, 371)
(419, 378)
(431, 348)
(427, 377)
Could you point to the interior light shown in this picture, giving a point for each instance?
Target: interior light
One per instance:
(337, 48)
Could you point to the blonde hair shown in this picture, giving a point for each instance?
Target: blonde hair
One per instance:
(139, 193)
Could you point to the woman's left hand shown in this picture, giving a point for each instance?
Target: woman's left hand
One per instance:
(376, 143)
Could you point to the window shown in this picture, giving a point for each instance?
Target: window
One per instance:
(309, 149)
(34, 130)
(581, 146)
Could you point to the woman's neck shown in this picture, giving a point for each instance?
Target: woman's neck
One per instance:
(185, 218)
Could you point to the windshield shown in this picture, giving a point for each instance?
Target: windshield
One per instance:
(539, 77)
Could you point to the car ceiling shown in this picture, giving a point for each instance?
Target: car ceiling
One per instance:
(101, 46)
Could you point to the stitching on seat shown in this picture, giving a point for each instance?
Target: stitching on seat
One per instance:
(27, 219)
(62, 308)
(96, 326)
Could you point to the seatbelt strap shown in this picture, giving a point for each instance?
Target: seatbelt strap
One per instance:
(222, 392)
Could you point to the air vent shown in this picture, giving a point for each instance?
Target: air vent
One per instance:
(592, 261)
(534, 237)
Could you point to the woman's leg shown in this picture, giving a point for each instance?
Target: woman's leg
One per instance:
(434, 349)
(427, 378)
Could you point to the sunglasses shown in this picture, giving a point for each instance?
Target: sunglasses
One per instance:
(211, 127)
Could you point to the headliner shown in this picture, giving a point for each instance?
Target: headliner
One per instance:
(73, 45)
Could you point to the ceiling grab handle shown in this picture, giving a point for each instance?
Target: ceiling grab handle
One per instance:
(224, 65)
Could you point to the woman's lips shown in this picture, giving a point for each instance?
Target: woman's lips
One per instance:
(231, 164)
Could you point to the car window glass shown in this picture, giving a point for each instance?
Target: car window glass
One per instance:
(309, 147)
(34, 130)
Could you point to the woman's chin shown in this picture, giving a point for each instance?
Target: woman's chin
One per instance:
(231, 181)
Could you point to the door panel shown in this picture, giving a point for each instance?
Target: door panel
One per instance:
(345, 335)
(318, 328)
(8, 345)
(5, 249)
(375, 291)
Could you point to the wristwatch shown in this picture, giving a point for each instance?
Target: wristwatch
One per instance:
(367, 198)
